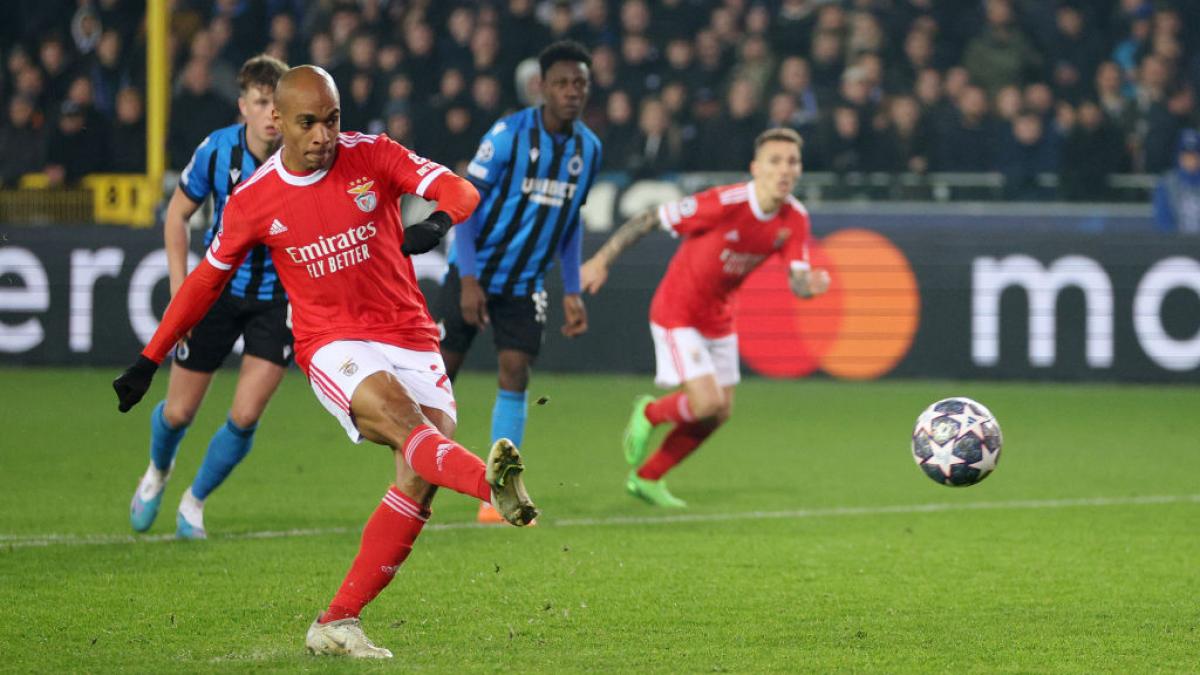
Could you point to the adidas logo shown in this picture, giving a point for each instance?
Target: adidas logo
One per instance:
(731, 235)
(277, 228)
(442, 450)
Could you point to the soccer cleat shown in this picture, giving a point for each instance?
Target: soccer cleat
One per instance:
(488, 515)
(509, 498)
(143, 509)
(637, 433)
(189, 521)
(344, 637)
(652, 492)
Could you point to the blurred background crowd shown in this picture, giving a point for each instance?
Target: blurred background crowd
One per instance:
(1080, 90)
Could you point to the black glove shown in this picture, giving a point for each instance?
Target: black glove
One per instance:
(131, 386)
(425, 235)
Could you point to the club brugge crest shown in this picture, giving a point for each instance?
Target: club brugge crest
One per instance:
(364, 196)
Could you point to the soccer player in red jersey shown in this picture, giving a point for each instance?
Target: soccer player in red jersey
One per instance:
(727, 232)
(326, 207)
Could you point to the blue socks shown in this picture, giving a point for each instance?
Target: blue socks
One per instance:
(508, 416)
(228, 446)
(164, 441)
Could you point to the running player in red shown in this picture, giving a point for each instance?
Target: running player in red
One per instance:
(326, 207)
(727, 232)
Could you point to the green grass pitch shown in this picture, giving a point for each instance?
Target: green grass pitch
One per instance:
(813, 543)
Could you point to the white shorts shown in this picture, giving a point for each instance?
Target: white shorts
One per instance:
(683, 354)
(339, 367)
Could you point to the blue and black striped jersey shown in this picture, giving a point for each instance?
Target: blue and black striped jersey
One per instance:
(532, 184)
(219, 163)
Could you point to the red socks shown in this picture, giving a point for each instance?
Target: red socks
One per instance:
(673, 407)
(678, 444)
(445, 463)
(386, 542)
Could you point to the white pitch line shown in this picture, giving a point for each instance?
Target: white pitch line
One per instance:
(41, 540)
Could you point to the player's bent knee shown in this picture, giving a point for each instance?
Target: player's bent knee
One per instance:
(177, 415)
(704, 408)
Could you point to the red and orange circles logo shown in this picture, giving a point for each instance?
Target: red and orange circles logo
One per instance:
(860, 329)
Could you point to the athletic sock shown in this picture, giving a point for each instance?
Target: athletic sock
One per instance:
(673, 407)
(445, 463)
(679, 443)
(508, 416)
(228, 446)
(386, 541)
(164, 440)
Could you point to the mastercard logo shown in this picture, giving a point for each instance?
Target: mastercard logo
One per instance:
(860, 329)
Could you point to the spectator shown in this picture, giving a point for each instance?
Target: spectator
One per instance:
(422, 62)
(23, 140)
(73, 150)
(1001, 54)
(107, 73)
(596, 28)
(727, 142)
(1024, 155)
(284, 41)
(1008, 103)
(194, 111)
(792, 27)
(399, 124)
(968, 143)
(795, 80)
(1073, 53)
(905, 143)
(620, 134)
(1177, 195)
(711, 64)
(359, 107)
(1094, 149)
(57, 70)
(128, 139)
(1111, 99)
(918, 55)
(222, 76)
(321, 51)
(755, 62)
(454, 48)
(80, 92)
(842, 147)
(826, 65)
(658, 147)
(85, 30)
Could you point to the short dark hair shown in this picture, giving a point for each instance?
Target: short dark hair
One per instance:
(261, 71)
(564, 50)
(779, 134)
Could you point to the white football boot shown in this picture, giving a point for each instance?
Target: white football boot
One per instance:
(143, 508)
(503, 474)
(189, 522)
(344, 637)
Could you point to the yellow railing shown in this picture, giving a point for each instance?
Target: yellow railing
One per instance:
(108, 198)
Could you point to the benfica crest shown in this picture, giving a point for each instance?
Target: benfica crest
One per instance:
(364, 196)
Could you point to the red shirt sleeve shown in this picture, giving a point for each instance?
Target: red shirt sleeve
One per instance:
(203, 286)
(691, 215)
(408, 172)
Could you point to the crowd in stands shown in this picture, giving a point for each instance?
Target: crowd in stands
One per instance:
(1022, 87)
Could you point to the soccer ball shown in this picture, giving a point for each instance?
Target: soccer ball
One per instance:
(956, 442)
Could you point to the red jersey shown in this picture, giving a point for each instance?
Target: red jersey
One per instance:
(726, 236)
(334, 236)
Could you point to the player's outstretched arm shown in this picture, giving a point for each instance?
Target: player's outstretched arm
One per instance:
(199, 291)
(808, 283)
(594, 272)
